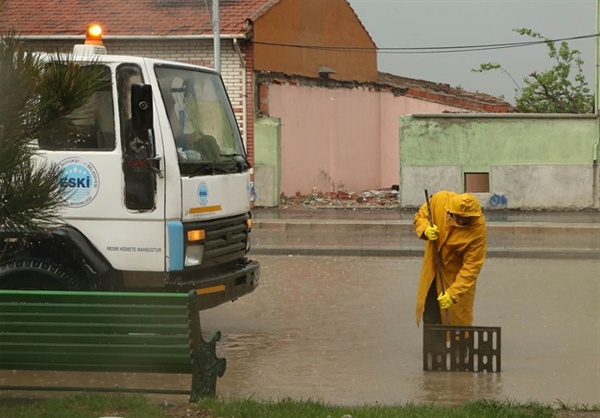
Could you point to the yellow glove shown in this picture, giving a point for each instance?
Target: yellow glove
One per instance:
(445, 300)
(432, 232)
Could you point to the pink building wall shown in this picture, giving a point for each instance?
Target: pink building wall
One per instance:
(339, 138)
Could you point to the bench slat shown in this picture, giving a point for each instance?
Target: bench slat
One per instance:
(111, 368)
(92, 328)
(125, 308)
(112, 317)
(174, 350)
(100, 298)
(91, 339)
(107, 363)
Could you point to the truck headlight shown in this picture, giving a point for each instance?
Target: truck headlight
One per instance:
(248, 229)
(194, 255)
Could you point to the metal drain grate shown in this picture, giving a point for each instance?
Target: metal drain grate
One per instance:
(461, 348)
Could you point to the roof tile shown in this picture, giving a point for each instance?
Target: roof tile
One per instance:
(131, 17)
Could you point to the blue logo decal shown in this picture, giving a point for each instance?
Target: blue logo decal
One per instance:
(81, 180)
(203, 194)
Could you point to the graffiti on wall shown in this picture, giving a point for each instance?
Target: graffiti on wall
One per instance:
(253, 195)
(498, 201)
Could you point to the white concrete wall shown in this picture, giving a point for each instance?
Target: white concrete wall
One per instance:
(433, 179)
(548, 186)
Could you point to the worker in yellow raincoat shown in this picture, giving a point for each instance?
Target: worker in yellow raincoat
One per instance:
(460, 235)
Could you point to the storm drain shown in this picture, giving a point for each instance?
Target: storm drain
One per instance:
(461, 348)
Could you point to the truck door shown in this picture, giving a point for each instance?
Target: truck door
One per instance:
(141, 163)
(139, 244)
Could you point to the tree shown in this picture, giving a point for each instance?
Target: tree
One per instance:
(35, 96)
(555, 90)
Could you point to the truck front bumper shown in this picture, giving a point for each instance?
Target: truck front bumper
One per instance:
(220, 288)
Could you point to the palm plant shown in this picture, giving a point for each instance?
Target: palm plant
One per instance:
(35, 96)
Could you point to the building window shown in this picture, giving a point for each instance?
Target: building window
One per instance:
(477, 182)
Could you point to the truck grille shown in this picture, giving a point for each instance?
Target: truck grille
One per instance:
(225, 239)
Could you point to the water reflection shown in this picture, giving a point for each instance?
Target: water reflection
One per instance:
(450, 388)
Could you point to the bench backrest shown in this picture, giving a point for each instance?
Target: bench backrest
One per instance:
(94, 331)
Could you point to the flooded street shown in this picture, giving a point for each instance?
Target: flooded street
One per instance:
(343, 330)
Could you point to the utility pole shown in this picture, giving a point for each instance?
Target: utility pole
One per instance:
(217, 35)
(597, 54)
(596, 191)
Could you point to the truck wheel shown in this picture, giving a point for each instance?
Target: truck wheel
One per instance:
(32, 274)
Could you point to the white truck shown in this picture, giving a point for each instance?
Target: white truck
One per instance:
(159, 189)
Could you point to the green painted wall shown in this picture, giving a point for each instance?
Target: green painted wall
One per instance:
(267, 161)
(533, 161)
(476, 142)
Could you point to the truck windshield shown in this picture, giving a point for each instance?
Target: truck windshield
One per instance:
(203, 124)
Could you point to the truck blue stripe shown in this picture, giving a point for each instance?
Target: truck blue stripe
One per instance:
(175, 231)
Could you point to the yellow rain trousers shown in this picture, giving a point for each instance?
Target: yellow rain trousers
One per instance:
(462, 250)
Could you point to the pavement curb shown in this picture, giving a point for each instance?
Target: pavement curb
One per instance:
(391, 226)
(537, 253)
(392, 230)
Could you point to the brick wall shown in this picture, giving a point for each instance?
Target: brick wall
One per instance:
(248, 53)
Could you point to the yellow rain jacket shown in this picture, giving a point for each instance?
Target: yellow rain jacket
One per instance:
(462, 250)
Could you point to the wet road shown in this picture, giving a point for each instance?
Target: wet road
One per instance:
(343, 330)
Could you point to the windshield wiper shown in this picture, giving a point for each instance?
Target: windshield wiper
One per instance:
(239, 164)
(198, 168)
(206, 167)
(212, 168)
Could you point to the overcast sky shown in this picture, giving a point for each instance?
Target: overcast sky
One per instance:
(447, 23)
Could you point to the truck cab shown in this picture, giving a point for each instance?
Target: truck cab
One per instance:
(158, 189)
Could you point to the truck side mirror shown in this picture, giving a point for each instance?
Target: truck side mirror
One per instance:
(140, 164)
(141, 110)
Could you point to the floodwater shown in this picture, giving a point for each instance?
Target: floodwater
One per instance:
(343, 330)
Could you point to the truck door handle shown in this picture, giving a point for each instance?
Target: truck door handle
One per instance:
(154, 164)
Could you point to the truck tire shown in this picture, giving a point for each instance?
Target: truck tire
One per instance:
(32, 274)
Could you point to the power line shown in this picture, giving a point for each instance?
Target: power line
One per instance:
(469, 48)
(432, 49)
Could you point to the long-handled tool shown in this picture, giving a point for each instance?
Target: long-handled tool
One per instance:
(438, 262)
(458, 348)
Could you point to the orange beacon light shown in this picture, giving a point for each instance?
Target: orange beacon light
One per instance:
(93, 35)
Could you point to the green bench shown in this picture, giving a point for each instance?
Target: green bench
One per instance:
(108, 332)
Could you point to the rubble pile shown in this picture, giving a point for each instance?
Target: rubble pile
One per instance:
(376, 199)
